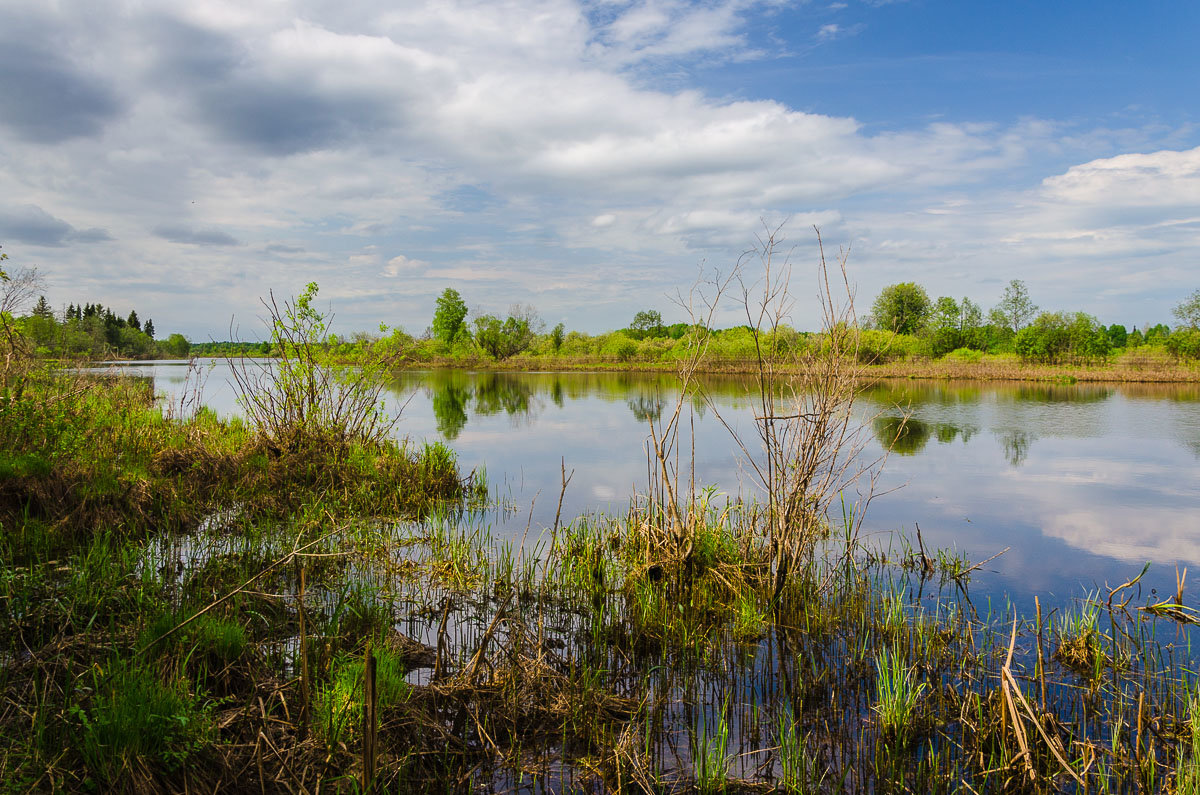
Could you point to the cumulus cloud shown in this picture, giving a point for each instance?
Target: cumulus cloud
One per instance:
(493, 137)
(1158, 179)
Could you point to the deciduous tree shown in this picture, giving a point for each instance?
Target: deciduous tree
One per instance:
(449, 318)
(1016, 307)
(902, 308)
(1188, 311)
(647, 323)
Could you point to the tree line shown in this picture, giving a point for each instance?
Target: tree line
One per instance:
(1017, 325)
(903, 323)
(84, 331)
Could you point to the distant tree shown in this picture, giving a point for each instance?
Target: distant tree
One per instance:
(132, 321)
(902, 308)
(177, 345)
(647, 323)
(1157, 334)
(1188, 311)
(1118, 335)
(557, 336)
(449, 318)
(970, 316)
(148, 330)
(945, 313)
(510, 337)
(942, 333)
(42, 308)
(1015, 307)
(1054, 336)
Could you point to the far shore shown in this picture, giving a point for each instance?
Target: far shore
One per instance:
(989, 369)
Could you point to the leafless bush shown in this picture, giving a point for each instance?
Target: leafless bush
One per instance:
(16, 291)
(811, 441)
(809, 446)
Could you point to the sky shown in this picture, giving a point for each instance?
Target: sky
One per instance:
(593, 159)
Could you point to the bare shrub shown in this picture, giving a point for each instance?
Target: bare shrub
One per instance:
(806, 451)
(16, 291)
(811, 441)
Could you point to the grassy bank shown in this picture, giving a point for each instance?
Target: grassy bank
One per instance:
(1142, 367)
(93, 477)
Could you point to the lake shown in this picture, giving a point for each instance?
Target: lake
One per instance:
(1083, 483)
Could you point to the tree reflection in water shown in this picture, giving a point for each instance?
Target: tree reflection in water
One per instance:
(1016, 446)
(905, 436)
(646, 407)
(453, 392)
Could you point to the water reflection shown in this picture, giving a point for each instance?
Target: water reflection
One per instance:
(905, 436)
(453, 394)
(1084, 482)
(1016, 446)
(646, 407)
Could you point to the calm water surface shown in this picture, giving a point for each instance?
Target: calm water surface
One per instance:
(1085, 483)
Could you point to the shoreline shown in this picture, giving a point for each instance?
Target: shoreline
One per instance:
(923, 371)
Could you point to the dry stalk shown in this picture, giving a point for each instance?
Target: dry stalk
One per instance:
(675, 540)
(810, 442)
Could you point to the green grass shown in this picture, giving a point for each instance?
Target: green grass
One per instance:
(135, 721)
(897, 694)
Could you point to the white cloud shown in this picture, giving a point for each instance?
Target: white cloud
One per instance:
(401, 265)
(1158, 179)
(307, 131)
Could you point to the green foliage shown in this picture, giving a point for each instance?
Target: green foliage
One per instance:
(897, 695)
(135, 718)
(92, 332)
(300, 399)
(879, 347)
(1157, 334)
(340, 703)
(1185, 344)
(449, 317)
(176, 346)
(1187, 765)
(969, 355)
(619, 346)
(557, 336)
(902, 308)
(502, 340)
(954, 325)
(1016, 308)
(1057, 336)
(646, 323)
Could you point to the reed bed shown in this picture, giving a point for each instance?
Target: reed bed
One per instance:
(240, 658)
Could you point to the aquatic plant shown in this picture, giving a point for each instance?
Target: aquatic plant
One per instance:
(897, 695)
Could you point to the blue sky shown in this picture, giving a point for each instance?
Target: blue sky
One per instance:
(590, 158)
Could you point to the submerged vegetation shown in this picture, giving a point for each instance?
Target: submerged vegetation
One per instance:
(298, 602)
